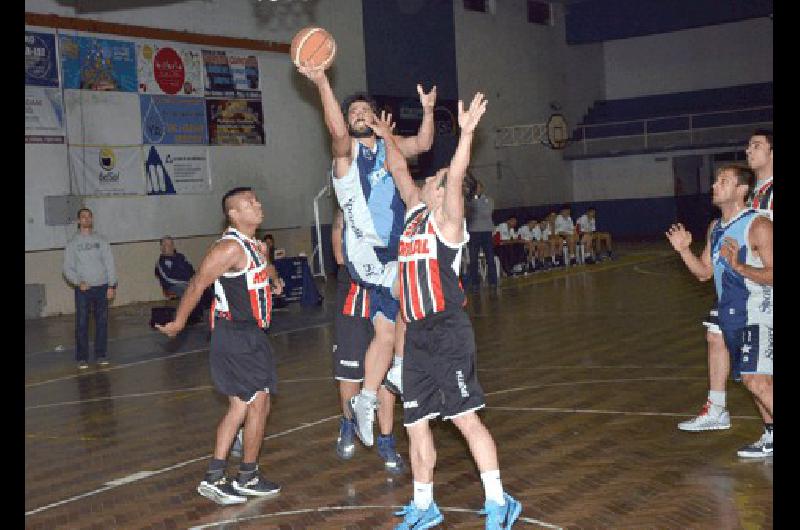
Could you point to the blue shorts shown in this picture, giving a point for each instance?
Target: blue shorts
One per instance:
(750, 349)
(382, 301)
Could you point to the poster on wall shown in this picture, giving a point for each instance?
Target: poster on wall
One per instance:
(235, 122)
(41, 66)
(107, 170)
(101, 118)
(44, 115)
(173, 120)
(167, 69)
(231, 75)
(176, 169)
(90, 63)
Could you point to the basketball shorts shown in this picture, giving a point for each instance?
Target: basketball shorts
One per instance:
(241, 359)
(439, 372)
(712, 321)
(750, 349)
(353, 332)
(382, 301)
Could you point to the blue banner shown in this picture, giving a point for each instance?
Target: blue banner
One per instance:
(98, 64)
(41, 68)
(173, 120)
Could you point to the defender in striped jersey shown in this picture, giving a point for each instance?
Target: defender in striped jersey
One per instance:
(242, 364)
(439, 374)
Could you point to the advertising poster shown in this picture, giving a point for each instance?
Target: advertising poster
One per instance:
(168, 69)
(173, 120)
(41, 66)
(176, 169)
(90, 63)
(44, 115)
(231, 75)
(100, 118)
(235, 122)
(107, 170)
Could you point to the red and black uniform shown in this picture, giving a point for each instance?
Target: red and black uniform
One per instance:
(439, 375)
(352, 327)
(761, 199)
(241, 357)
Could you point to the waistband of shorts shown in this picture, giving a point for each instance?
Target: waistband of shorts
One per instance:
(437, 318)
(237, 324)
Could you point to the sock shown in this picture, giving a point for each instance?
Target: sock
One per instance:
(493, 486)
(373, 396)
(423, 494)
(216, 468)
(768, 428)
(717, 398)
(398, 361)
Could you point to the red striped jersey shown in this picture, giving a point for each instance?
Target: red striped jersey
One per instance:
(428, 267)
(357, 302)
(244, 295)
(761, 199)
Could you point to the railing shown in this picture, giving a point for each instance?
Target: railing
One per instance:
(318, 247)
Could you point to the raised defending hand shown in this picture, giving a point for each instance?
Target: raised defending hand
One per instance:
(317, 75)
(170, 329)
(427, 100)
(679, 237)
(730, 252)
(468, 119)
(382, 126)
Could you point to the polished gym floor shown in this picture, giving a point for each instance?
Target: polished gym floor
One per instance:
(587, 371)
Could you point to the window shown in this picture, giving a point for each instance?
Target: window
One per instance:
(539, 13)
(475, 5)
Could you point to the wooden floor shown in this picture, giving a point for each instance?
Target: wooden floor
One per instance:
(587, 372)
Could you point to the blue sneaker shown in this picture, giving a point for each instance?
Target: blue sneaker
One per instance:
(345, 443)
(416, 519)
(392, 460)
(501, 517)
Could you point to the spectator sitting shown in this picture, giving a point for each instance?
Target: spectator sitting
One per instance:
(510, 249)
(538, 247)
(588, 224)
(174, 271)
(565, 229)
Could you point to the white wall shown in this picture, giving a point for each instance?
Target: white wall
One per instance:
(737, 53)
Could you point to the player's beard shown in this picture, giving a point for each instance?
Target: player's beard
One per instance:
(366, 132)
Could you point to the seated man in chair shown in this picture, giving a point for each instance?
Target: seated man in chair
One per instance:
(174, 271)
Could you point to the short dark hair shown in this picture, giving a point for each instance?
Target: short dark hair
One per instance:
(744, 175)
(766, 133)
(229, 194)
(85, 209)
(359, 96)
(591, 209)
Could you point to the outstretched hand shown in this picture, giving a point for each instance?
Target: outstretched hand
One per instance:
(383, 125)
(427, 100)
(170, 329)
(468, 119)
(314, 74)
(679, 237)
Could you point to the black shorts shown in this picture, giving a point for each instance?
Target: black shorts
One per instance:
(439, 373)
(241, 359)
(352, 334)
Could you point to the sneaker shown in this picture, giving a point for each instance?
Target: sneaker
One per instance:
(220, 491)
(394, 379)
(102, 361)
(501, 517)
(416, 519)
(237, 449)
(346, 443)
(760, 449)
(256, 486)
(707, 420)
(392, 460)
(363, 410)
(83, 365)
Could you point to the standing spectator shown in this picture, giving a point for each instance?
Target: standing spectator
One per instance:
(89, 267)
(480, 226)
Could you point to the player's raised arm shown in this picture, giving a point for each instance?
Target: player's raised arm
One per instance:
(453, 206)
(334, 119)
(395, 161)
(422, 142)
(681, 239)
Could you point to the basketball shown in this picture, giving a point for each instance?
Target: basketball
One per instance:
(313, 46)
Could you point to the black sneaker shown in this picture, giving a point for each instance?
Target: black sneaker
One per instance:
(220, 491)
(102, 361)
(758, 449)
(256, 486)
(83, 365)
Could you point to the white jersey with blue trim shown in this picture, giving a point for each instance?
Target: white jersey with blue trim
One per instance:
(373, 216)
(741, 301)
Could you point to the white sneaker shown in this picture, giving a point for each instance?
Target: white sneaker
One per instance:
(394, 379)
(760, 449)
(362, 409)
(707, 420)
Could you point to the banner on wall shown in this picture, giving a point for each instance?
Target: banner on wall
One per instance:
(41, 66)
(107, 170)
(235, 122)
(44, 115)
(100, 118)
(90, 63)
(176, 169)
(173, 120)
(231, 75)
(167, 69)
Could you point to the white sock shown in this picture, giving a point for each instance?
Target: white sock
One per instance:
(493, 486)
(398, 361)
(423, 494)
(369, 393)
(717, 398)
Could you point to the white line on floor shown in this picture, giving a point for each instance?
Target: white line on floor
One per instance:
(590, 382)
(595, 411)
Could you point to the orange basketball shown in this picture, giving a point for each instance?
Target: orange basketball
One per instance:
(313, 47)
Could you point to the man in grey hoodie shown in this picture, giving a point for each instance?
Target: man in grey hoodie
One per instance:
(89, 268)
